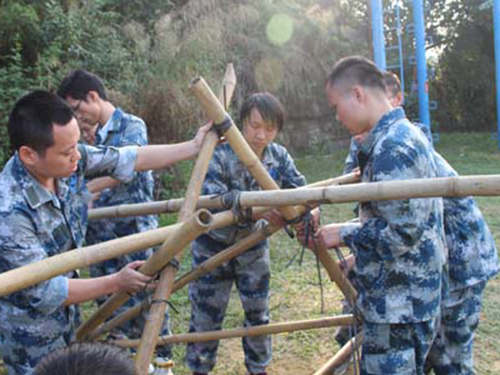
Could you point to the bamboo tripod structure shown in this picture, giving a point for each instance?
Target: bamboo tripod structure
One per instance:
(218, 115)
(176, 237)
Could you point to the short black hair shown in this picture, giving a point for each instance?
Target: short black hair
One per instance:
(86, 358)
(392, 83)
(32, 119)
(78, 83)
(268, 105)
(356, 70)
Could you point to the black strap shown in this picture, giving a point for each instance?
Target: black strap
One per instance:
(222, 127)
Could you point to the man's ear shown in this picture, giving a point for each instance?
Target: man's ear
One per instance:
(399, 97)
(92, 96)
(28, 156)
(358, 93)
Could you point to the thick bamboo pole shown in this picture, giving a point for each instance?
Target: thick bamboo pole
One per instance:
(162, 293)
(23, 277)
(187, 231)
(174, 205)
(301, 325)
(341, 356)
(240, 146)
(488, 185)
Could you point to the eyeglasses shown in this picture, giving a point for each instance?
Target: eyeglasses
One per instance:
(77, 107)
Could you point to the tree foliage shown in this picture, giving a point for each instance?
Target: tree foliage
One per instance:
(147, 51)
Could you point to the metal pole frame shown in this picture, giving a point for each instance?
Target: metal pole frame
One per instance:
(378, 34)
(423, 88)
(496, 28)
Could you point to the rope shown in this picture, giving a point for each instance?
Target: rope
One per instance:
(353, 328)
(231, 201)
(309, 233)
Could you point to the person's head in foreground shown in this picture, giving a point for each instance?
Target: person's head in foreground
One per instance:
(262, 116)
(87, 358)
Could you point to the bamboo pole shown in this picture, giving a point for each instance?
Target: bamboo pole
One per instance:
(162, 293)
(186, 232)
(487, 185)
(152, 208)
(34, 273)
(240, 146)
(301, 325)
(228, 85)
(341, 356)
(174, 205)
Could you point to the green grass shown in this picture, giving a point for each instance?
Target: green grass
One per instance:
(294, 291)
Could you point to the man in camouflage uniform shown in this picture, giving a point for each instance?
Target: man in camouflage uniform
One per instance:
(262, 118)
(472, 261)
(398, 245)
(43, 213)
(85, 92)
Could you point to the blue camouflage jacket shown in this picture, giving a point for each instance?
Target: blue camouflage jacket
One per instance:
(227, 173)
(35, 224)
(399, 245)
(123, 130)
(351, 161)
(472, 254)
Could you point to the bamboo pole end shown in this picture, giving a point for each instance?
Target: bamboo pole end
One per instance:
(195, 81)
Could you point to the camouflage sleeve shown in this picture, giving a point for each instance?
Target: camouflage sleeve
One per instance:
(399, 224)
(118, 163)
(351, 161)
(20, 246)
(292, 177)
(135, 133)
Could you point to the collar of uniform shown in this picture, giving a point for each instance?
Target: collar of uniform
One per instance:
(267, 157)
(113, 125)
(34, 193)
(380, 128)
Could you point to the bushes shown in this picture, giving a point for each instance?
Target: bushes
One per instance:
(41, 41)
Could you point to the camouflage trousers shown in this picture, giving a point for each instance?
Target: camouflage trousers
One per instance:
(209, 296)
(391, 349)
(451, 353)
(134, 327)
